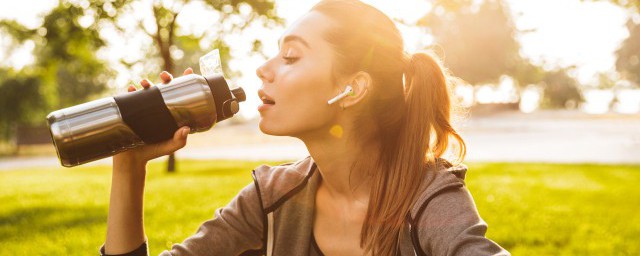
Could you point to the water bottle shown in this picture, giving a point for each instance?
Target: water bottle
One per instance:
(107, 126)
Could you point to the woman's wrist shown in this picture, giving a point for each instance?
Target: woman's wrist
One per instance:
(129, 164)
(129, 158)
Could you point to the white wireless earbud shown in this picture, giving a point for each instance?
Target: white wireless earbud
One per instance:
(346, 92)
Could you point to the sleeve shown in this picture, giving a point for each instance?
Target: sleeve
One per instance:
(140, 251)
(451, 225)
(236, 229)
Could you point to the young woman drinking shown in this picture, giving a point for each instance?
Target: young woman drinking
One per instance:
(374, 183)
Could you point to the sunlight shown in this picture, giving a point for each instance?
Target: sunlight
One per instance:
(597, 101)
(571, 32)
(530, 99)
(566, 35)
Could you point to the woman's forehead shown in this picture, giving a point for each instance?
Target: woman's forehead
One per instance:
(308, 29)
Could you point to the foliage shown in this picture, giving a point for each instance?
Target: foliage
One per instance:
(479, 41)
(628, 55)
(526, 73)
(531, 209)
(480, 46)
(631, 5)
(68, 68)
(606, 81)
(560, 89)
(66, 71)
(166, 28)
(20, 101)
(67, 57)
(232, 19)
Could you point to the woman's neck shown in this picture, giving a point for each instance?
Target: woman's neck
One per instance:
(335, 155)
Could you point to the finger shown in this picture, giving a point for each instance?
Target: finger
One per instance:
(146, 83)
(166, 77)
(183, 133)
(131, 88)
(179, 140)
(188, 71)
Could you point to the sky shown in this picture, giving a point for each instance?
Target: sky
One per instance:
(562, 33)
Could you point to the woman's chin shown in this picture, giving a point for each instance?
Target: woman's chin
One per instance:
(269, 128)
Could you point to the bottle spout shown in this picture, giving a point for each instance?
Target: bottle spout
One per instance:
(239, 94)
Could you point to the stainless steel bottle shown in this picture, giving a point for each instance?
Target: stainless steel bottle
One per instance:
(107, 126)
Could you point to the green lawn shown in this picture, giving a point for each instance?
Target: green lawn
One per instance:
(532, 209)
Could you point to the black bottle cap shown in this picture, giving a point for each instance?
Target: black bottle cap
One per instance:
(221, 95)
(239, 94)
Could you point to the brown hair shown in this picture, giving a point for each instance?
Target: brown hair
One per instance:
(409, 105)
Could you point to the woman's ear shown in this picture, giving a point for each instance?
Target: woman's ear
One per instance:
(360, 84)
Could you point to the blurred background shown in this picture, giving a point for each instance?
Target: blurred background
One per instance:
(549, 96)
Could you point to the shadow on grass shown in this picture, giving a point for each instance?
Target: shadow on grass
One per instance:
(220, 168)
(48, 220)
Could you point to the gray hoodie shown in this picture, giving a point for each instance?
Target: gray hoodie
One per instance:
(274, 216)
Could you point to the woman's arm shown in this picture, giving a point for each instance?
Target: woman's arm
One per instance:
(125, 227)
(236, 229)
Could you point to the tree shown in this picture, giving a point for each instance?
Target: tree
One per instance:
(66, 71)
(66, 63)
(526, 73)
(628, 55)
(20, 101)
(560, 89)
(479, 41)
(166, 28)
(67, 59)
(631, 5)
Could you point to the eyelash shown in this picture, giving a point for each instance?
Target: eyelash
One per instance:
(289, 60)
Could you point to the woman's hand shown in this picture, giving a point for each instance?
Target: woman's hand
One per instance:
(141, 155)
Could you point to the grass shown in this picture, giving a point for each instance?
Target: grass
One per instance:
(532, 209)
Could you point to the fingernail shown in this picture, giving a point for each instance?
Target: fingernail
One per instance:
(185, 131)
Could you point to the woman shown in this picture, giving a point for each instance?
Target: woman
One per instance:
(374, 184)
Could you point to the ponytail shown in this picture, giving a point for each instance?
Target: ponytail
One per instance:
(423, 137)
(429, 108)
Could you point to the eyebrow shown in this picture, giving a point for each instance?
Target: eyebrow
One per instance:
(293, 38)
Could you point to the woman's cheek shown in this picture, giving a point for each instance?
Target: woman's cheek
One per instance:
(315, 109)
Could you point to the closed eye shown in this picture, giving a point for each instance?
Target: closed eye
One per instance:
(290, 60)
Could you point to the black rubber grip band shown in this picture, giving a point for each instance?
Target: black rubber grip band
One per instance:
(145, 112)
(221, 94)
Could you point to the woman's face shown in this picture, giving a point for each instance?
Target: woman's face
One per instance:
(297, 83)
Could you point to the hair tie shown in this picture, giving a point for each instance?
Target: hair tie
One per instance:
(407, 71)
(406, 60)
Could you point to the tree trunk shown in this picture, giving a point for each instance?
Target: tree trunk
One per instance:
(164, 45)
(168, 66)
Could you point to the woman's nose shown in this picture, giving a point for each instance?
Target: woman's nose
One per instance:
(264, 73)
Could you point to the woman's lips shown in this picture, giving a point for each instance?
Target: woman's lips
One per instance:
(264, 107)
(267, 101)
(266, 104)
